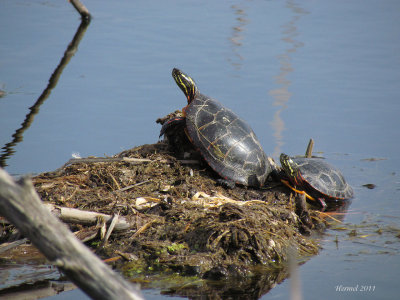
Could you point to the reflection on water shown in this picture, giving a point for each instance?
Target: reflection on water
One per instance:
(8, 150)
(352, 54)
(282, 95)
(237, 36)
(240, 287)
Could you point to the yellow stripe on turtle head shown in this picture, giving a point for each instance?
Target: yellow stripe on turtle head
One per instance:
(185, 83)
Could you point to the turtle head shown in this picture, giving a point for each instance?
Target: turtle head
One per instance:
(289, 166)
(186, 84)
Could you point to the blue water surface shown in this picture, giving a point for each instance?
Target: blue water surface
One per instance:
(328, 70)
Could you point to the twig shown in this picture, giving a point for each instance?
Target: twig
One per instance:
(115, 181)
(110, 228)
(132, 186)
(143, 228)
(7, 246)
(310, 148)
(73, 215)
(82, 10)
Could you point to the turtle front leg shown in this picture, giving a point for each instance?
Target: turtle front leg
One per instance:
(172, 123)
(174, 131)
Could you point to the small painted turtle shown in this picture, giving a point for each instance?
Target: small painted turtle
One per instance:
(315, 178)
(225, 141)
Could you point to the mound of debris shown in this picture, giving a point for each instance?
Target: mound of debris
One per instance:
(156, 211)
(180, 218)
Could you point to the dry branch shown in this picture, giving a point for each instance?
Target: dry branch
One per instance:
(114, 221)
(7, 246)
(73, 215)
(21, 205)
(82, 10)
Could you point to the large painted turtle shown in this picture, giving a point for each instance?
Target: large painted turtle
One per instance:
(315, 178)
(225, 141)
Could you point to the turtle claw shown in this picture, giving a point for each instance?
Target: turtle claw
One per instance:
(323, 204)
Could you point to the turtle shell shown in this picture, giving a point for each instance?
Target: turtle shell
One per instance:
(226, 142)
(323, 178)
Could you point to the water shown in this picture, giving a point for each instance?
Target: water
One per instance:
(294, 70)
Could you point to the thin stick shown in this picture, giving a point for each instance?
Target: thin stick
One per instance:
(144, 227)
(7, 246)
(132, 186)
(77, 216)
(310, 148)
(81, 9)
(110, 228)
